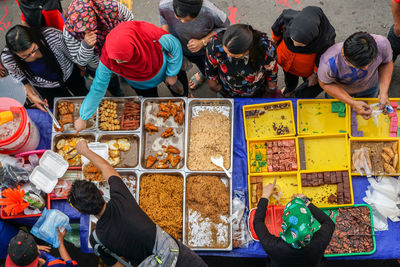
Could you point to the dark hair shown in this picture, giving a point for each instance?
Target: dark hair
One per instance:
(360, 49)
(184, 8)
(240, 38)
(20, 38)
(86, 197)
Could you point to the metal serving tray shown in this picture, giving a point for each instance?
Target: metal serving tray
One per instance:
(149, 142)
(120, 108)
(167, 172)
(90, 136)
(226, 106)
(130, 158)
(186, 212)
(77, 101)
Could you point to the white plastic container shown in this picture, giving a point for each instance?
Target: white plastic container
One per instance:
(100, 149)
(51, 167)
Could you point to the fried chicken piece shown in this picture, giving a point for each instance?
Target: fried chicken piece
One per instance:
(167, 133)
(174, 110)
(173, 160)
(179, 118)
(173, 150)
(163, 114)
(162, 164)
(151, 128)
(150, 161)
(164, 108)
(180, 108)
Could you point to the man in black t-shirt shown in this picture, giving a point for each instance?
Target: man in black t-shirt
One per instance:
(122, 225)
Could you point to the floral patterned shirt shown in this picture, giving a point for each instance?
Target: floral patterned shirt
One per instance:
(237, 76)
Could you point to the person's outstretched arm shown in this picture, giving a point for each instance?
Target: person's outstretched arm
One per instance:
(106, 169)
(266, 238)
(94, 97)
(61, 249)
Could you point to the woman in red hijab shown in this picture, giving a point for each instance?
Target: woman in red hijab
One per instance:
(143, 54)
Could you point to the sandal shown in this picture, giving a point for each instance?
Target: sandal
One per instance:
(177, 88)
(197, 79)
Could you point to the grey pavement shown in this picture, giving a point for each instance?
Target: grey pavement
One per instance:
(347, 16)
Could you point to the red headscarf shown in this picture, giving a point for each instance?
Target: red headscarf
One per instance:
(137, 43)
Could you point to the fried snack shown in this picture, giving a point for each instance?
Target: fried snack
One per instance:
(91, 173)
(161, 198)
(65, 108)
(171, 109)
(150, 161)
(66, 148)
(389, 168)
(130, 116)
(108, 116)
(173, 150)
(67, 118)
(114, 161)
(173, 160)
(162, 164)
(167, 133)
(123, 144)
(151, 128)
(388, 151)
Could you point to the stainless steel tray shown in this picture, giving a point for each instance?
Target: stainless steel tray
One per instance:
(133, 172)
(151, 144)
(186, 211)
(130, 158)
(120, 108)
(225, 106)
(91, 137)
(77, 101)
(167, 172)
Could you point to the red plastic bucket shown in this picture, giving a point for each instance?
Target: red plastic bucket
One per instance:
(26, 137)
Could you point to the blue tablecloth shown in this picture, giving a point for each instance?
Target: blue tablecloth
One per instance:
(388, 245)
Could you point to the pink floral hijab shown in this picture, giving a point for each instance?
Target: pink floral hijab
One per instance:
(86, 15)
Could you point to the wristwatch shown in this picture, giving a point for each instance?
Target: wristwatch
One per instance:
(306, 200)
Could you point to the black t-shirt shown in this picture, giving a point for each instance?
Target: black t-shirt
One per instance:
(124, 228)
(281, 254)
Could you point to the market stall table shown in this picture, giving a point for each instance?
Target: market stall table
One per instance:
(388, 246)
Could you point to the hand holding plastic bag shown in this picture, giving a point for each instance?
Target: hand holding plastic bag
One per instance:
(241, 236)
(46, 227)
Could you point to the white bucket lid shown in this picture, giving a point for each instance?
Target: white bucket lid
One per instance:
(51, 167)
(100, 149)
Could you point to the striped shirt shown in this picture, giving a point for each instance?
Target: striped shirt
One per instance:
(55, 41)
(84, 55)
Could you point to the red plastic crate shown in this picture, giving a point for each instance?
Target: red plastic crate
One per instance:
(5, 217)
(273, 220)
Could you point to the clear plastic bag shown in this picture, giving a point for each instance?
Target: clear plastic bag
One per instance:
(362, 161)
(46, 227)
(13, 176)
(383, 197)
(240, 236)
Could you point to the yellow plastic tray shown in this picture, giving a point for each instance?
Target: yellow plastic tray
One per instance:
(314, 116)
(251, 153)
(362, 139)
(325, 152)
(320, 194)
(287, 182)
(262, 127)
(369, 128)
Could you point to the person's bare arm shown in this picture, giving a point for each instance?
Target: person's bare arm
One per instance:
(106, 169)
(396, 17)
(165, 28)
(34, 97)
(385, 76)
(339, 93)
(61, 249)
